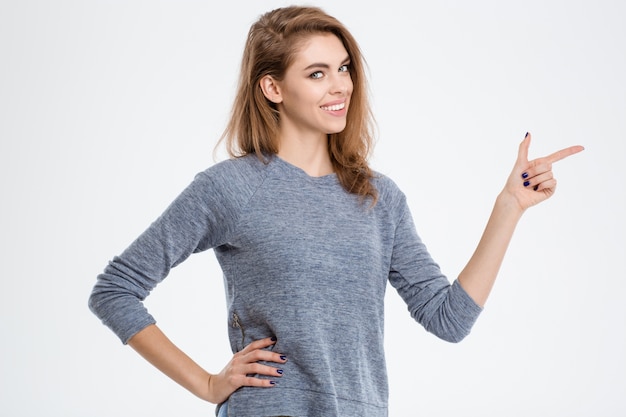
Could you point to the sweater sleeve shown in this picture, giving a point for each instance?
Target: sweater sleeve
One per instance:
(444, 309)
(198, 219)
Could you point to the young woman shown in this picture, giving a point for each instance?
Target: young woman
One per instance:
(307, 236)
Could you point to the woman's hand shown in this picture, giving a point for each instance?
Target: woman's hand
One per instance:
(155, 347)
(244, 363)
(532, 182)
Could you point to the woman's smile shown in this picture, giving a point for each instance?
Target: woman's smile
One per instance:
(336, 109)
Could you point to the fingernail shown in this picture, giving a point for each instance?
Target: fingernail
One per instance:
(273, 338)
(525, 175)
(279, 371)
(283, 358)
(526, 183)
(273, 382)
(526, 135)
(535, 187)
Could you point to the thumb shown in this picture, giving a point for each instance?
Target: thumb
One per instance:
(522, 154)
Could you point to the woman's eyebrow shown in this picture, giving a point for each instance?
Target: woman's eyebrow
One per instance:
(324, 65)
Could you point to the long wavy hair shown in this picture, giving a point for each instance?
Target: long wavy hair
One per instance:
(272, 44)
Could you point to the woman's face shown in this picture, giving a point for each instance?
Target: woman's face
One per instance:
(315, 91)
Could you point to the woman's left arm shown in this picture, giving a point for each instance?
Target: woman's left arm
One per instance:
(530, 183)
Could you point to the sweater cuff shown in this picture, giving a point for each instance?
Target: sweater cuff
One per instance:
(469, 311)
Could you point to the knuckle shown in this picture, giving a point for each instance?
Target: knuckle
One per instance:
(253, 382)
(259, 354)
(252, 356)
(254, 368)
(233, 380)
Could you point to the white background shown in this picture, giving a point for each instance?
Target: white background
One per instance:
(109, 108)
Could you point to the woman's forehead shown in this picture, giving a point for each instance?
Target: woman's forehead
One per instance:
(323, 48)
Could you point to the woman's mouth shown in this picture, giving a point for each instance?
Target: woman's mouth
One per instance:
(334, 107)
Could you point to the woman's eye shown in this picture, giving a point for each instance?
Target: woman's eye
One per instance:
(317, 74)
(344, 68)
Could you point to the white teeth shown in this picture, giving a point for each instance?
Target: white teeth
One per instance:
(334, 107)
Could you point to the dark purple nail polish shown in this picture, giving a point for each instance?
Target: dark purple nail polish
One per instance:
(273, 338)
(279, 371)
(273, 382)
(536, 187)
(526, 135)
(283, 358)
(525, 175)
(526, 183)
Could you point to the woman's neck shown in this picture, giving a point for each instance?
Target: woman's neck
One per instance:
(309, 155)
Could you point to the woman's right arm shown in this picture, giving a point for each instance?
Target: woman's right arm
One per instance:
(199, 218)
(156, 348)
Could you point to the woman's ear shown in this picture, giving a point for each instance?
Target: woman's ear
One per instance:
(271, 89)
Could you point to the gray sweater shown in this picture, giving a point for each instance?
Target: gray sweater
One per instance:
(304, 261)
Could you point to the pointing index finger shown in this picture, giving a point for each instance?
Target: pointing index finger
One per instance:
(564, 153)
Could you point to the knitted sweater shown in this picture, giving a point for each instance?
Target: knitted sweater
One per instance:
(304, 261)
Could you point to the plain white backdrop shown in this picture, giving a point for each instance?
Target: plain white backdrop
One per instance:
(109, 108)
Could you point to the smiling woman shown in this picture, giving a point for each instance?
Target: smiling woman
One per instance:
(308, 236)
(312, 100)
(275, 42)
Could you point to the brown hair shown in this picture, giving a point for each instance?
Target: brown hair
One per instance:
(271, 46)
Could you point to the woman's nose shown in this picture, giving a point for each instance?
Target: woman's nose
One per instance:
(342, 85)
